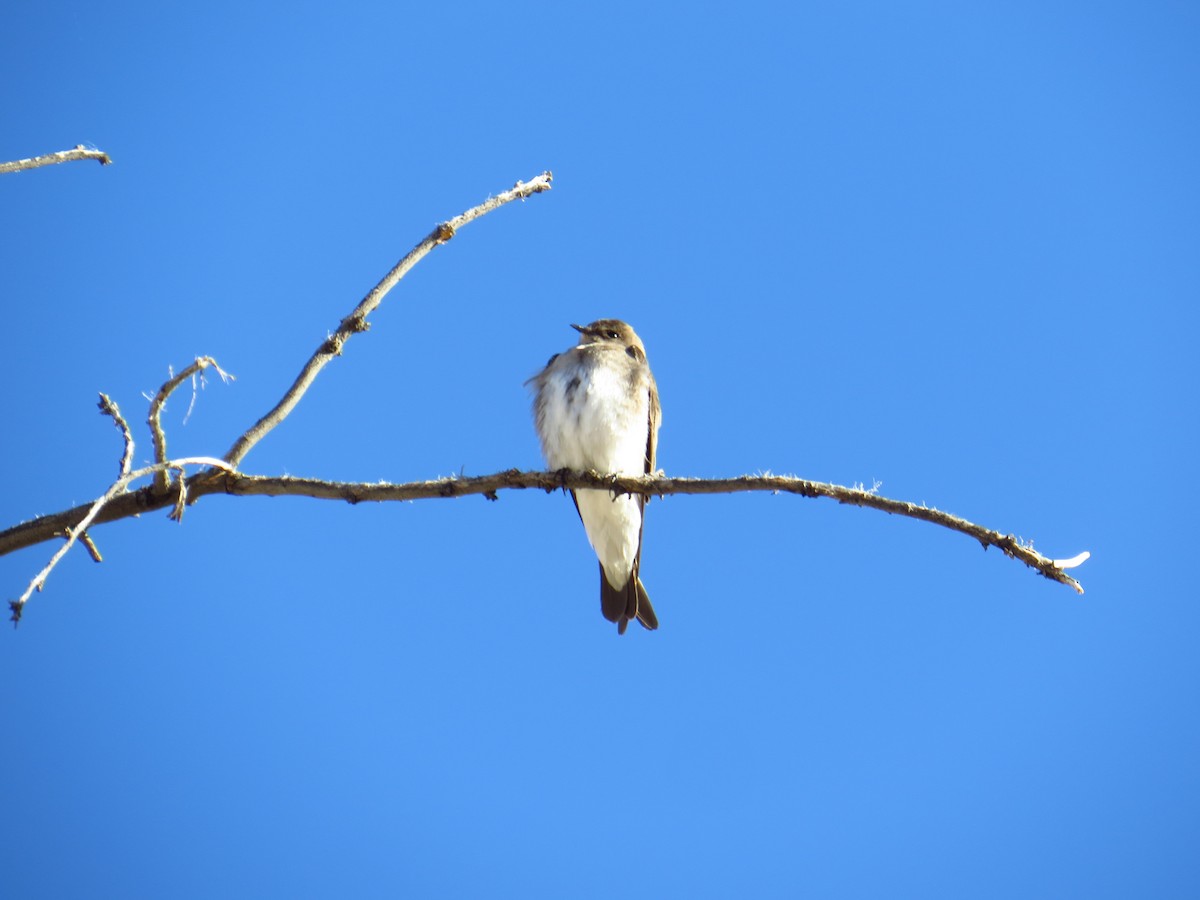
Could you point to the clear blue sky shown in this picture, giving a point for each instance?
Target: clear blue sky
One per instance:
(951, 248)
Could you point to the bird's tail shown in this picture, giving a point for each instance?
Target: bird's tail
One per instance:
(628, 603)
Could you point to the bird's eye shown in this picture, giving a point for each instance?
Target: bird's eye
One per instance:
(614, 335)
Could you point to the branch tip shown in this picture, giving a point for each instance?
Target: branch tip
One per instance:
(90, 546)
(51, 159)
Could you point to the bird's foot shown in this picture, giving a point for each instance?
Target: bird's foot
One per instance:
(562, 477)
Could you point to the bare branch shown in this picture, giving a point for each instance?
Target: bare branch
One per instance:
(222, 478)
(356, 321)
(51, 159)
(162, 478)
(77, 532)
(109, 408)
(229, 482)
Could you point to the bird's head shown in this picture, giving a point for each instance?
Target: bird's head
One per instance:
(610, 331)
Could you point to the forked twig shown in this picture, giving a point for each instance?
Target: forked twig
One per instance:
(73, 533)
(162, 478)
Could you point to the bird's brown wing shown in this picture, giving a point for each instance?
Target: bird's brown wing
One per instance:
(652, 424)
(641, 600)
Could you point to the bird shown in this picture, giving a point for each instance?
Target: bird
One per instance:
(596, 407)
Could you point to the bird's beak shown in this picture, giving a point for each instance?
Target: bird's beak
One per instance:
(578, 328)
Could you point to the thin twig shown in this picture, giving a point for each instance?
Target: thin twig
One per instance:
(162, 479)
(356, 321)
(90, 546)
(51, 159)
(74, 532)
(109, 407)
(181, 495)
(229, 482)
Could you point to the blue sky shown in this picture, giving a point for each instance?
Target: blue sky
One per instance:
(946, 247)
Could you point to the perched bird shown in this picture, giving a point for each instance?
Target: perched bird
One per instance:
(596, 407)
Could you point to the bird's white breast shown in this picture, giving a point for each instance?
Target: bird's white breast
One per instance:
(596, 424)
(589, 419)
